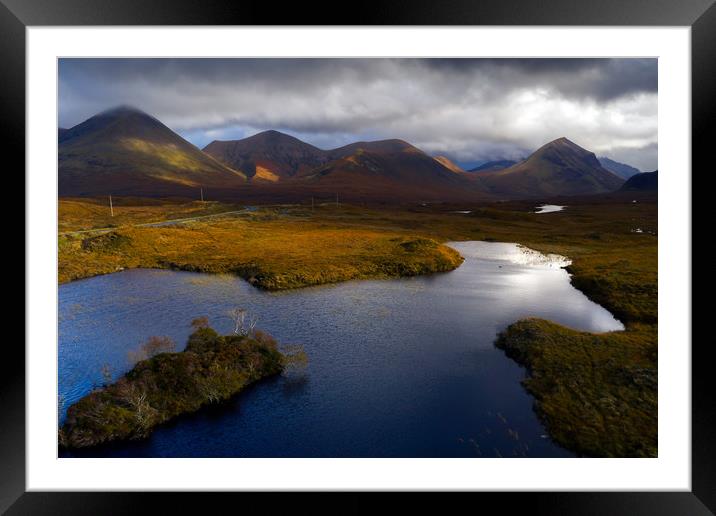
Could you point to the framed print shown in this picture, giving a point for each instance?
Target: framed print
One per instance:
(425, 252)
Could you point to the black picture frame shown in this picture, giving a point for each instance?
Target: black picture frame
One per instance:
(17, 15)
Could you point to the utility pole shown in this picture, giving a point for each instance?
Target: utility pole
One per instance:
(311, 203)
(111, 208)
(202, 195)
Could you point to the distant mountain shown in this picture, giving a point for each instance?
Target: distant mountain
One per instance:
(491, 166)
(449, 164)
(60, 133)
(392, 146)
(124, 151)
(389, 169)
(560, 167)
(270, 155)
(621, 169)
(646, 181)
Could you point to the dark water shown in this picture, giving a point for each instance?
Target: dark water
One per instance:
(398, 368)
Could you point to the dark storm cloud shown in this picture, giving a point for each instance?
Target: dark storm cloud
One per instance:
(469, 109)
(601, 79)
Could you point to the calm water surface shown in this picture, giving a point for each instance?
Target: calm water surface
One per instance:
(549, 208)
(398, 368)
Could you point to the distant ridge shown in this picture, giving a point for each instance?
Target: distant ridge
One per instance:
(621, 169)
(390, 169)
(491, 166)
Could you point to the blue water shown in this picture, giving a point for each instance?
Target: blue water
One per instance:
(397, 368)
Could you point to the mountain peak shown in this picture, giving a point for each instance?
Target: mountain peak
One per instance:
(123, 109)
(273, 137)
(563, 147)
(273, 133)
(564, 142)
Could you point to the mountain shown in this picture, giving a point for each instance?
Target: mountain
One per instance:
(124, 151)
(560, 167)
(268, 156)
(645, 181)
(448, 164)
(61, 133)
(621, 169)
(388, 169)
(392, 146)
(491, 166)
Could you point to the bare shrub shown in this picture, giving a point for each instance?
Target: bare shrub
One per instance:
(106, 373)
(295, 358)
(244, 323)
(141, 406)
(153, 347)
(200, 323)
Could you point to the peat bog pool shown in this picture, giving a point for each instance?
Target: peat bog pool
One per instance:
(549, 208)
(397, 368)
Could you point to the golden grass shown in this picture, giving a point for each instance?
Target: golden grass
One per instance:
(83, 214)
(267, 250)
(597, 394)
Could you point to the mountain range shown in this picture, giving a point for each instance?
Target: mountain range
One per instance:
(124, 151)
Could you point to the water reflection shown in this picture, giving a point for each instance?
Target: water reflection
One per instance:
(549, 208)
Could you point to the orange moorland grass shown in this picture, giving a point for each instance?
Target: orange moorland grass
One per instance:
(93, 214)
(271, 252)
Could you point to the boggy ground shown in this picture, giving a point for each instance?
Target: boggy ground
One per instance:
(596, 393)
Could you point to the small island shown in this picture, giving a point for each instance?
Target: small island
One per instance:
(212, 368)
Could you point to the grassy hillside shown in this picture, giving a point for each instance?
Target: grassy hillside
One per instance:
(127, 152)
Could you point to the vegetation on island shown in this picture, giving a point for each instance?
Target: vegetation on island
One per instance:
(165, 384)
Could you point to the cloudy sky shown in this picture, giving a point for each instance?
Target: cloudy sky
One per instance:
(468, 109)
